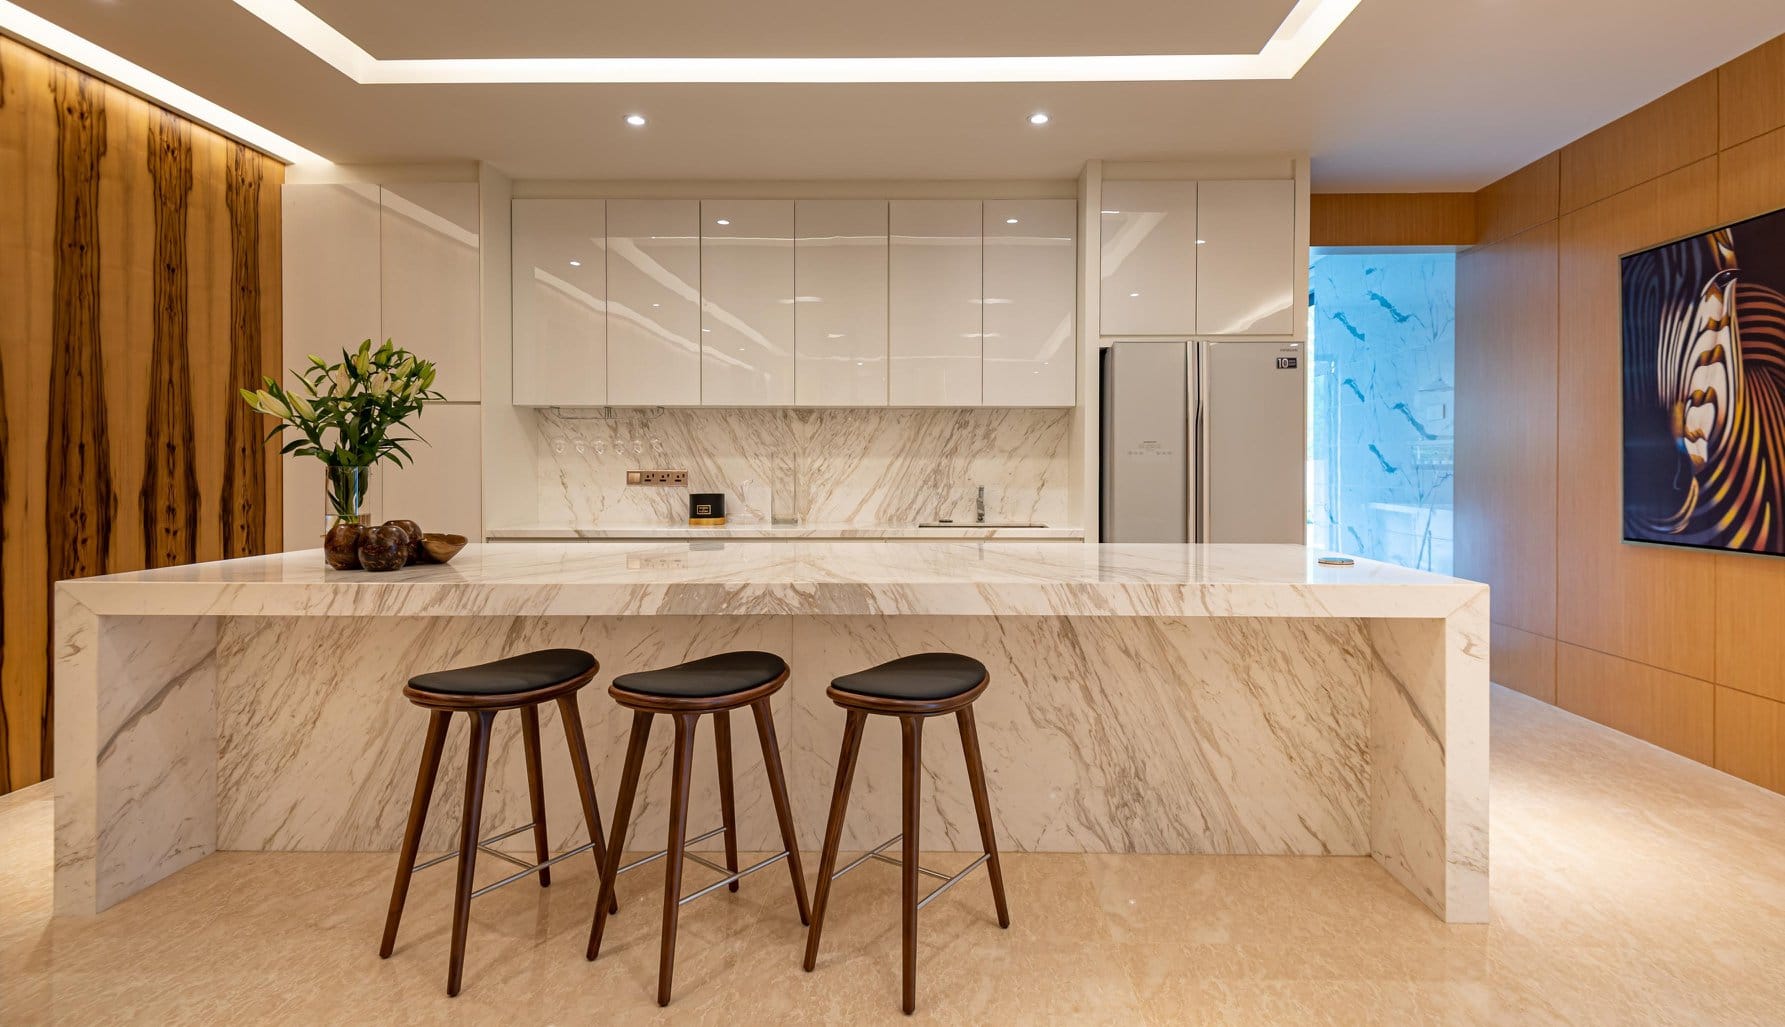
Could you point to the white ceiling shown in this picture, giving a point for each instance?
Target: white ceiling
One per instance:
(1406, 95)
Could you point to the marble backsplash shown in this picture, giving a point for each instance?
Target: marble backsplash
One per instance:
(805, 466)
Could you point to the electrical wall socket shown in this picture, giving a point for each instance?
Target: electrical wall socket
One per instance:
(661, 479)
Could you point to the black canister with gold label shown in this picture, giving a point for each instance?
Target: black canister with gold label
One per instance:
(706, 509)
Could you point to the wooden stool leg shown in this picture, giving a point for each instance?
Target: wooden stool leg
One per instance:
(911, 728)
(727, 800)
(616, 838)
(438, 722)
(982, 806)
(672, 861)
(833, 828)
(536, 790)
(475, 766)
(771, 762)
(585, 781)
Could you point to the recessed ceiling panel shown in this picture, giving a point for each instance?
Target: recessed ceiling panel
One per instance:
(413, 29)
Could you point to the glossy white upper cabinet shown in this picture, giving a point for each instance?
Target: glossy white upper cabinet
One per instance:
(1031, 269)
(746, 302)
(560, 303)
(430, 280)
(1245, 273)
(1149, 251)
(934, 302)
(839, 277)
(653, 309)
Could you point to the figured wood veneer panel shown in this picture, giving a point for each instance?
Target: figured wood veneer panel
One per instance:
(1751, 738)
(1656, 138)
(1670, 710)
(1506, 425)
(1392, 219)
(243, 492)
(1652, 604)
(116, 343)
(1751, 92)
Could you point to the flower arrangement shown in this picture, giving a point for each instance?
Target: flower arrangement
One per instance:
(351, 414)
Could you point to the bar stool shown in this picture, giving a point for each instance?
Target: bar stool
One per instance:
(519, 682)
(715, 685)
(911, 688)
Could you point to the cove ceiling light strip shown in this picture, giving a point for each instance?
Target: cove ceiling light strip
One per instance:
(17, 22)
(1306, 28)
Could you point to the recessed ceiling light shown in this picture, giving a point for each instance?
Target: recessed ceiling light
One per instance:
(727, 221)
(1010, 221)
(1038, 118)
(576, 263)
(635, 120)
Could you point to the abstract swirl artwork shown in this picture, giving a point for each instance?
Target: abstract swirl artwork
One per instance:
(1704, 389)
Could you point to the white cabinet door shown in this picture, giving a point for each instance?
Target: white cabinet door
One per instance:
(935, 301)
(653, 302)
(1245, 274)
(560, 303)
(746, 302)
(1148, 248)
(839, 277)
(430, 280)
(1031, 280)
(330, 283)
(441, 490)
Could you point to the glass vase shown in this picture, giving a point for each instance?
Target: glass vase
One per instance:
(346, 489)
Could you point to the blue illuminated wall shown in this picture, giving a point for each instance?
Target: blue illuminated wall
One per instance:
(1382, 329)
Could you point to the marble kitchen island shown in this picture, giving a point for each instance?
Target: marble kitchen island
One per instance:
(1144, 698)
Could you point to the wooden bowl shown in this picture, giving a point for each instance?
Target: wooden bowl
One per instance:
(441, 548)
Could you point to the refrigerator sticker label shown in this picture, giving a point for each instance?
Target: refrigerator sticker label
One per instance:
(1286, 363)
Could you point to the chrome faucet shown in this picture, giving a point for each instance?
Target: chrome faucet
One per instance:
(979, 507)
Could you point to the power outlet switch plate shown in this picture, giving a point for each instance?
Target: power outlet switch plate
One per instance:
(660, 479)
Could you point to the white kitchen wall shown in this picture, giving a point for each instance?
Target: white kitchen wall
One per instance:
(823, 467)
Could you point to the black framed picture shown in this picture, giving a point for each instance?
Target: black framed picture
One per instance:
(1704, 389)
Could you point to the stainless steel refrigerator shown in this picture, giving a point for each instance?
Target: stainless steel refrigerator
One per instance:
(1204, 442)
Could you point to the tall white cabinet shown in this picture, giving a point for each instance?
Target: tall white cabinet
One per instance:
(746, 303)
(653, 311)
(840, 317)
(1027, 335)
(936, 297)
(560, 302)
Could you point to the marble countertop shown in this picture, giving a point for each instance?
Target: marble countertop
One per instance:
(779, 531)
(599, 579)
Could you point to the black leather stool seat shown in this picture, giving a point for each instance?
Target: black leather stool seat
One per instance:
(516, 674)
(923, 677)
(707, 677)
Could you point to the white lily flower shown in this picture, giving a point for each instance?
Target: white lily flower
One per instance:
(380, 384)
(340, 382)
(269, 404)
(301, 406)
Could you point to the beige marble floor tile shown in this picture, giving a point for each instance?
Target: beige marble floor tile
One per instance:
(1629, 887)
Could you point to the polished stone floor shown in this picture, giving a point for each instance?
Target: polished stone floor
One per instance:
(1629, 886)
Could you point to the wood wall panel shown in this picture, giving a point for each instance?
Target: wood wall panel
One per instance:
(1666, 135)
(1751, 93)
(1392, 219)
(1751, 177)
(119, 347)
(1651, 604)
(1506, 425)
(1522, 200)
(1751, 738)
(1523, 662)
(1670, 710)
